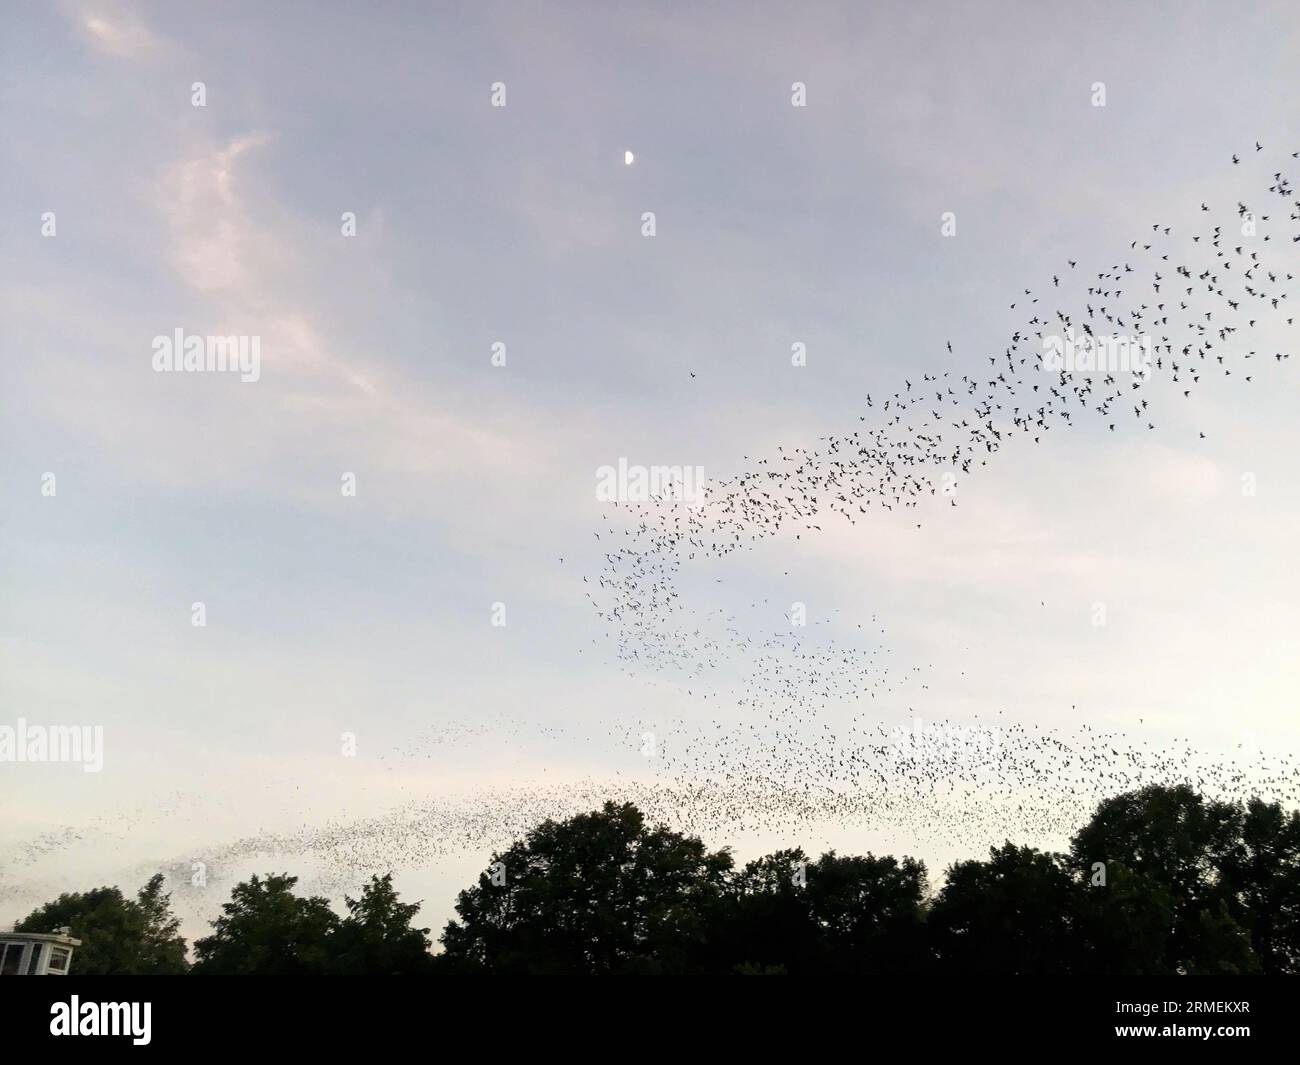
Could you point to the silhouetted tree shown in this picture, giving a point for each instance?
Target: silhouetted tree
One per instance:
(266, 929)
(1172, 836)
(833, 915)
(1262, 879)
(1160, 880)
(1220, 946)
(1232, 873)
(1126, 923)
(132, 937)
(869, 913)
(376, 936)
(1018, 913)
(598, 893)
(767, 920)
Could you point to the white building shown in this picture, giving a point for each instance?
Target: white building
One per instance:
(36, 953)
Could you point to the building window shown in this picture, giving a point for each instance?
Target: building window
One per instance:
(12, 961)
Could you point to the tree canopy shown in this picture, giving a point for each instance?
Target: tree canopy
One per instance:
(134, 937)
(1161, 880)
(266, 929)
(599, 893)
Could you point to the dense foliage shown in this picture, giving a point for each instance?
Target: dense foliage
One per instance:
(1160, 880)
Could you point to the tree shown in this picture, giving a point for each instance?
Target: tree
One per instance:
(1221, 947)
(1019, 913)
(869, 913)
(768, 921)
(1160, 880)
(376, 937)
(266, 929)
(1170, 833)
(599, 893)
(1231, 872)
(850, 915)
(1262, 878)
(122, 936)
(1126, 924)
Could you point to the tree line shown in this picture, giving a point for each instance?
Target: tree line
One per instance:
(1159, 881)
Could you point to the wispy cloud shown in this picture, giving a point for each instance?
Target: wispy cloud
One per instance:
(117, 32)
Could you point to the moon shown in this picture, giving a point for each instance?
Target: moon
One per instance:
(627, 158)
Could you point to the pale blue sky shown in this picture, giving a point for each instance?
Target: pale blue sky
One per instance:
(522, 224)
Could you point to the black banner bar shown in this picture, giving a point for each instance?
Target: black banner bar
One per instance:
(150, 1014)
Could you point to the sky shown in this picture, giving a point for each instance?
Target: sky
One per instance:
(349, 677)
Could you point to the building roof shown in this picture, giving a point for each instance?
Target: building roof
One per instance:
(39, 937)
